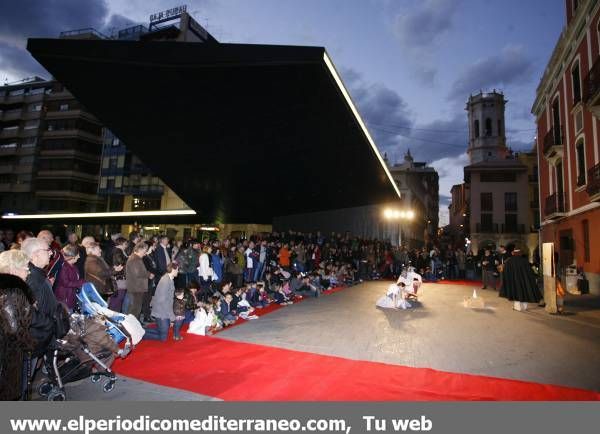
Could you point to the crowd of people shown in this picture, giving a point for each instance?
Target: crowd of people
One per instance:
(208, 284)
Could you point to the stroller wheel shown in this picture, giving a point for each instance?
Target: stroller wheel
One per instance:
(109, 386)
(95, 378)
(56, 395)
(44, 388)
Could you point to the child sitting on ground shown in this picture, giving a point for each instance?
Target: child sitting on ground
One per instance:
(262, 297)
(225, 311)
(204, 322)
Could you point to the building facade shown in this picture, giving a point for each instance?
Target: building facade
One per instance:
(567, 108)
(50, 149)
(498, 182)
(419, 188)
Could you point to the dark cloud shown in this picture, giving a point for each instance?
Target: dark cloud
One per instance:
(424, 26)
(22, 19)
(391, 123)
(115, 23)
(509, 67)
(17, 63)
(379, 107)
(437, 139)
(47, 18)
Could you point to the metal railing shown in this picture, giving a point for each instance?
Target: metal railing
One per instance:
(593, 184)
(555, 203)
(552, 138)
(83, 31)
(513, 229)
(486, 228)
(591, 84)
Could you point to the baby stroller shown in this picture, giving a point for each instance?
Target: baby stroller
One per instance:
(90, 347)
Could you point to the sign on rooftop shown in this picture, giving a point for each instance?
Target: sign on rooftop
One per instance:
(168, 14)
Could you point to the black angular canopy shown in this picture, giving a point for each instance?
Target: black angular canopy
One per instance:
(242, 133)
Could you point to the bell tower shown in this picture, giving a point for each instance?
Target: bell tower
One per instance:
(487, 139)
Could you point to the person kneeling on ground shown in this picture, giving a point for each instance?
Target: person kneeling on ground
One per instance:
(162, 306)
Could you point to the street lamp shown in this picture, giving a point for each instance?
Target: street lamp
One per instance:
(399, 215)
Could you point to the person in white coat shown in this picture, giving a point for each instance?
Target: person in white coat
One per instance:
(205, 274)
(390, 299)
(203, 321)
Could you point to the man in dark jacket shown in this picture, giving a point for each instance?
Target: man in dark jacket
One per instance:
(162, 255)
(42, 322)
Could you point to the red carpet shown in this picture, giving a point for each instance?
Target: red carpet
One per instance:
(247, 372)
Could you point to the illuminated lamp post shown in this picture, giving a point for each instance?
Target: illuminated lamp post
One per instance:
(400, 216)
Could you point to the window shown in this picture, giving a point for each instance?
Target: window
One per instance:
(141, 203)
(580, 150)
(112, 163)
(103, 182)
(24, 178)
(121, 161)
(105, 161)
(510, 223)
(510, 201)
(556, 122)
(29, 142)
(586, 240)
(37, 91)
(32, 125)
(12, 145)
(576, 84)
(476, 127)
(63, 107)
(499, 127)
(498, 177)
(488, 127)
(487, 203)
(578, 121)
(16, 92)
(486, 222)
(35, 107)
(26, 160)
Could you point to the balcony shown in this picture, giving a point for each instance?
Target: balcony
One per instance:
(486, 228)
(555, 206)
(591, 89)
(513, 229)
(6, 168)
(553, 144)
(593, 184)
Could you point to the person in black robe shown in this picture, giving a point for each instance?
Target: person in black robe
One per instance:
(519, 282)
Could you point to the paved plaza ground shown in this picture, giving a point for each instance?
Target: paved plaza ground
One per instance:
(439, 333)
